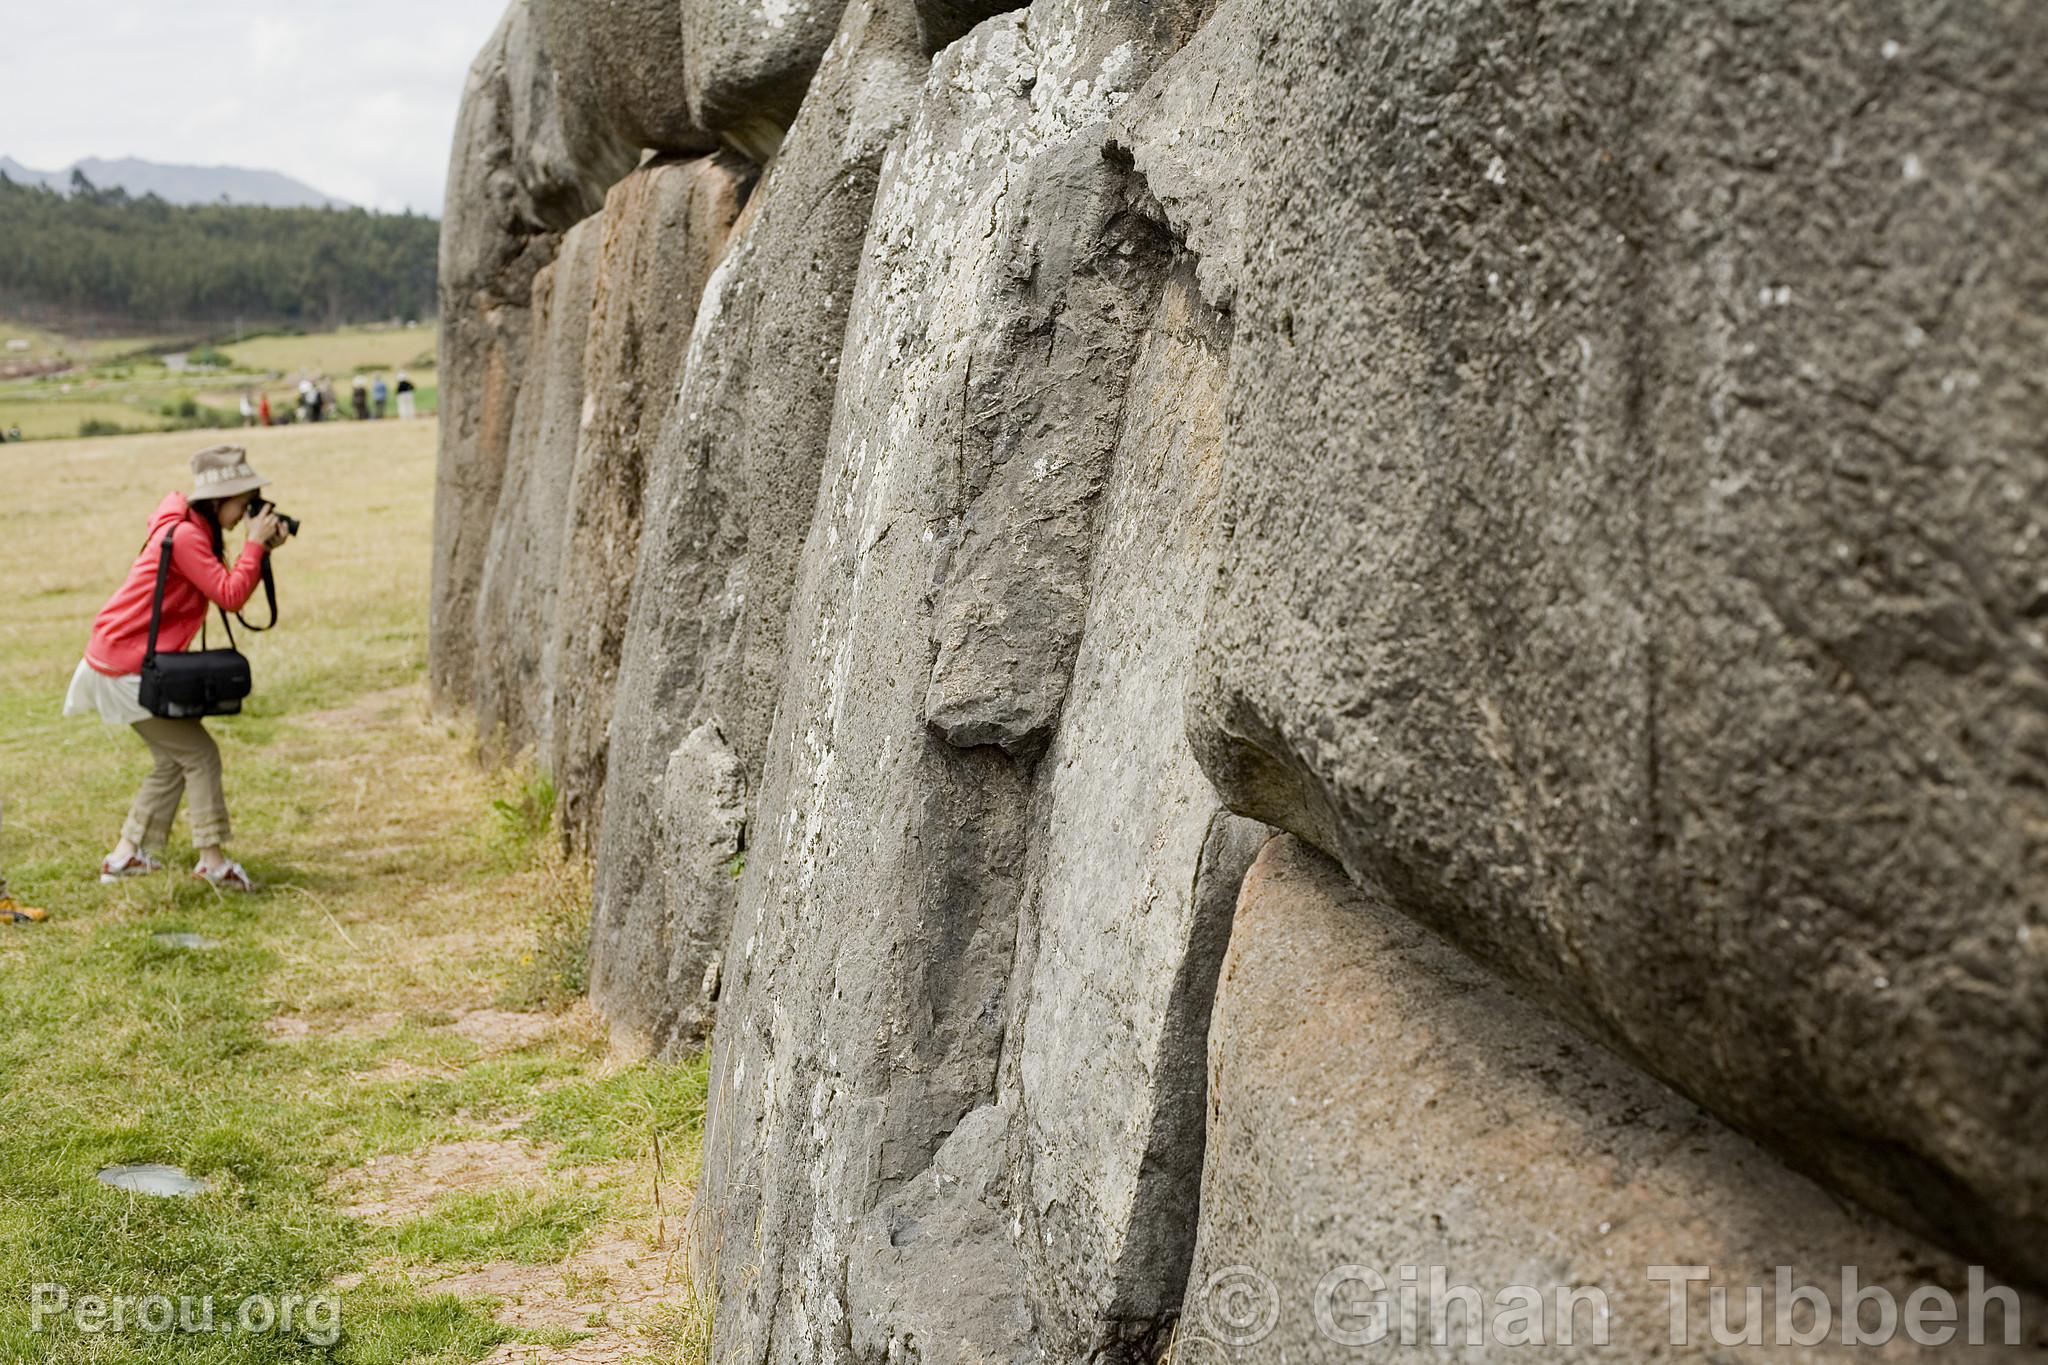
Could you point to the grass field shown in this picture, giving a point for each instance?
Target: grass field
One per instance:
(43, 344)
(113, 385)
(341, 353)
(381, 1065)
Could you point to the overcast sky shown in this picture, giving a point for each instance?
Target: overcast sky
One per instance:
(357, 99)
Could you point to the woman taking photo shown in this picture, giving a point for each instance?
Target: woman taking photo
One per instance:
(108, 681)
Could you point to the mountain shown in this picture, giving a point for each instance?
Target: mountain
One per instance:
(23, 175)
(180, 184)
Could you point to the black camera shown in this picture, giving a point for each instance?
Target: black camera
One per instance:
(259, 507)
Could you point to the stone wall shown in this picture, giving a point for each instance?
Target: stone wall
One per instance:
(1576, 469)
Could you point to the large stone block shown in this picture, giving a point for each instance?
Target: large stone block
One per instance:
(664, 229)
(568, 152)
(729, 499)
(748, 65)
(1637, 499)
(622, 74)
(934, 1272)
(1058, 1221)
(1379, 1102)
(515, 611)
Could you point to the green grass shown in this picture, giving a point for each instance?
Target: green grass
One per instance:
(408, 888)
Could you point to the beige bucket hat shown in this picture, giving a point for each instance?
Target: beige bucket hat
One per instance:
(222, 472)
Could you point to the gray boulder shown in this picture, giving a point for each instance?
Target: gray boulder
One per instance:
(1381, 1103)
(621, 70)
(729, 498)
(1637, 544)
(748, 65)
(1136, 870)
(664, 228)
(935, 1269)
(567, 156)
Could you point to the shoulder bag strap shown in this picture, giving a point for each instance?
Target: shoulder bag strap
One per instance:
(156, 601)
(224, 623)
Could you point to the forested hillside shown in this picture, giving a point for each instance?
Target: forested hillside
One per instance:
(104, 255)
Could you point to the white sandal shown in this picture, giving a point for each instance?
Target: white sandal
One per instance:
(139, 864)
(230, 876)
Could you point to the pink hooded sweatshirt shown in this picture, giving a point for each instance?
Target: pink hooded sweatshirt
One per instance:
(120, 633)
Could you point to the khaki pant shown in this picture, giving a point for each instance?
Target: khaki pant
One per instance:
(187, 759)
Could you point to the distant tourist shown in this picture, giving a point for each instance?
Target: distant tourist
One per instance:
(380, 393)
(309, 401)
(406, 408)
(263, 408)
(329, 409)
(248, 410)
(359, 398)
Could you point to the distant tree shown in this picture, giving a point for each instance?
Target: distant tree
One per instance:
(104, 254)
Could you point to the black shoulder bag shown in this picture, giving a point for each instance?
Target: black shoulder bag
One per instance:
(202, 682)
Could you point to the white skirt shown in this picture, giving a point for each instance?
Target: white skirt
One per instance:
(117, 701)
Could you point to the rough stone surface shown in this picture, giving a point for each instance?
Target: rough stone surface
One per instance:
(492, 244)
(664, 227)
(1136, 870)
(515, 610)
(1576, 465)
(729, 500)
(1060, 331)
(566, 157)
(934, 1271)
(868, 975)
(1376, 1100)
(622, 73)
(943, 22)
(748, 65)
(1637, 494)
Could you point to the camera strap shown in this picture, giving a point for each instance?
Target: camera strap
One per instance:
(269, 595)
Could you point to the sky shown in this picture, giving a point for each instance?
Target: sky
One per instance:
(356, 99)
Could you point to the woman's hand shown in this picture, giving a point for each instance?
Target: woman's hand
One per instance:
(267, 529)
